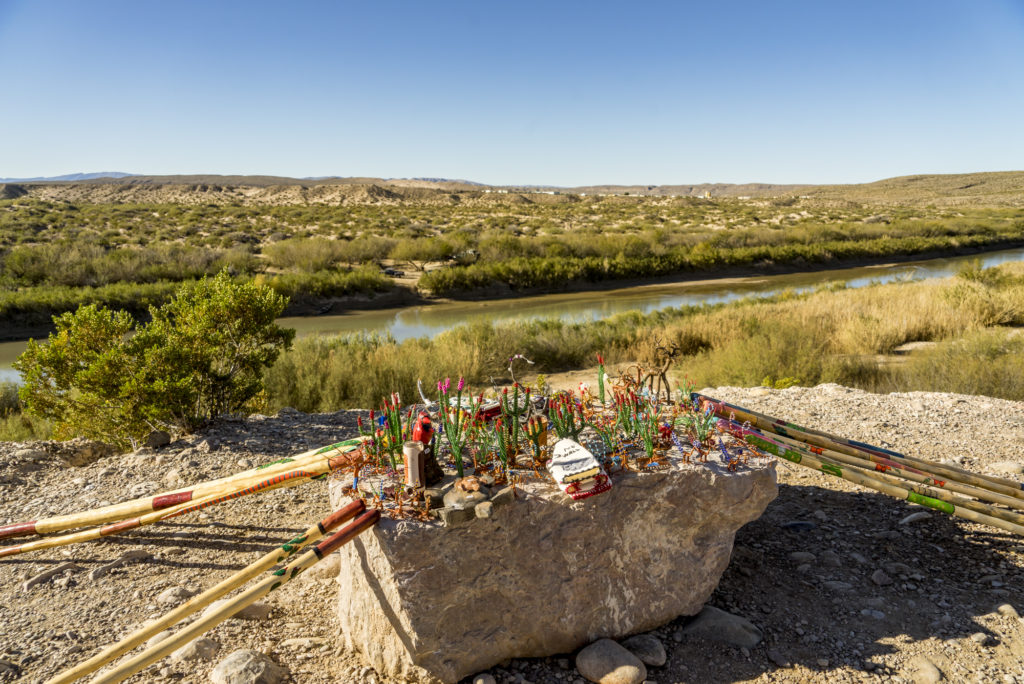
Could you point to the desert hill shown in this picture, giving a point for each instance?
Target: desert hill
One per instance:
(1004, 188)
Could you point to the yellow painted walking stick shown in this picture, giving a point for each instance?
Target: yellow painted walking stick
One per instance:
(246, 598)
(204, 599)
(290, 479)
(310, 460)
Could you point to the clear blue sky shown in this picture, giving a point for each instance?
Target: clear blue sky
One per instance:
(566, 93)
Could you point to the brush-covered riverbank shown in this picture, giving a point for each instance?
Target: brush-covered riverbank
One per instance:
(971, 323)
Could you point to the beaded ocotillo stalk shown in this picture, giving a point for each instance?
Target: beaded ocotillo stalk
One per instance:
(196, 603)
(289, 479)
(887, 465)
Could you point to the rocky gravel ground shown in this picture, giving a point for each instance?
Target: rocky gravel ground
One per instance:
(843, 584)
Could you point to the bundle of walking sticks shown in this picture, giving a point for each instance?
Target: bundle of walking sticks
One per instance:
(129, 515)
(916, 480)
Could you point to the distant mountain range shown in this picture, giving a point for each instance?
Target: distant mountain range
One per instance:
(120, 174)
(1001, 188)
(720, 189)
(69, 177)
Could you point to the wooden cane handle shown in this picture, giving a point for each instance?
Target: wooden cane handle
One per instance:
(341, 515)
(347, 534)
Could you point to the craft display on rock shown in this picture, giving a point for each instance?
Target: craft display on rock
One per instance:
(492, 499)
(520, 499)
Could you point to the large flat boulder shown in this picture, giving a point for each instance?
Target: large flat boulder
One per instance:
(543, 574)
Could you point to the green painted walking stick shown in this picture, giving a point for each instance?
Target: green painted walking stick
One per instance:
(745, 414)
(204, 599)
(888, 466)
(854, 448)
(865, 478)
(246, 598)
(922, 486)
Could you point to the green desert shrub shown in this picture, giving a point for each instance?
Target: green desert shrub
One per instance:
(984, 362)
(102, 375)
(15, 425)
(305, 254)
(418, 252)
(363, 280)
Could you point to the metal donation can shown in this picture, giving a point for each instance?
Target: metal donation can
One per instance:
(412, 459)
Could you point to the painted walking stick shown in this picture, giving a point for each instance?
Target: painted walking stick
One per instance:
(745, 414)
(854, 448)
(876, 481)
(887, 465)
(246, 598)
(204, 599)
(289, 479)
(276, 482)
(306, 461)
(920, 485)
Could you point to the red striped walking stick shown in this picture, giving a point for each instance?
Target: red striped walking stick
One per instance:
(318, 460)
(204, 599)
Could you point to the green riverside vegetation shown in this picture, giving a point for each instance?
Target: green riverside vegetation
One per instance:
(832, 335)
(835, 334)
(104, 376)
(56, 255)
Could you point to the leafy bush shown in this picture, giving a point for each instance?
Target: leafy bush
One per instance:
(365, 280)
(418, 252)
(16, 426)
(305, 254)
(102, 376)
(985, 362)
(9, 402)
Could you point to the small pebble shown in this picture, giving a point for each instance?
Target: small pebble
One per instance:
(926, 672)
(1007, 610)
(831, 559)
(777, 658)
(880, 578)
(915, 517)
(981, 639)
